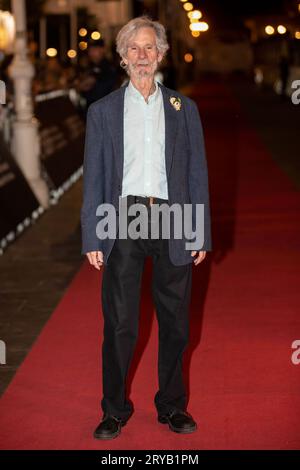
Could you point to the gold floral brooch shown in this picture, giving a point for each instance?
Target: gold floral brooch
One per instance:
(176, 103)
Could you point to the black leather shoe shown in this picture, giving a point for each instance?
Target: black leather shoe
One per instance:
(109, 428)
(179, 421)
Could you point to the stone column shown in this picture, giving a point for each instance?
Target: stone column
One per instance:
(26, 144)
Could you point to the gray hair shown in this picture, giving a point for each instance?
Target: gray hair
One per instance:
(130, 29)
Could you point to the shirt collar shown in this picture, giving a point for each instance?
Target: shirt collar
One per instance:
(137, 96)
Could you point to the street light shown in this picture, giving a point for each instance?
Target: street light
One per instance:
(95, 35)
(83, 45)
(281, 29)
(188, 6)
(199, 26)
(7, 30)
(195, 15)
(71, 53)
(188, 58)
(269, 30)
(51, 52)
(82, 32)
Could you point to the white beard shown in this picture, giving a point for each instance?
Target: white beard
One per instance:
(134, 71)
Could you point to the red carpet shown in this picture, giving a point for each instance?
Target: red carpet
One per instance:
(244, 389)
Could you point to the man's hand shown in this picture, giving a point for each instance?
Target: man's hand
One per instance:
(200, 256)
(96, 259)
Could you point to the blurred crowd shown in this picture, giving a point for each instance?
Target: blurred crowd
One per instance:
(93, 75)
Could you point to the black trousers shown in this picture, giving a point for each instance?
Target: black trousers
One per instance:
(171, 288)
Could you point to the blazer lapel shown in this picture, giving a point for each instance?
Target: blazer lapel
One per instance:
(116, 126)
(171, 122)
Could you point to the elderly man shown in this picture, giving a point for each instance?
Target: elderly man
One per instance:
(144, 144)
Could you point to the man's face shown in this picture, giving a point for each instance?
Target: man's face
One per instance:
(142, 54)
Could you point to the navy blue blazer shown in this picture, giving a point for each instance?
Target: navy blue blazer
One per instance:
(185, 159)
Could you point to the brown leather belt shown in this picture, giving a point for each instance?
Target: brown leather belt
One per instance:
(146, 200)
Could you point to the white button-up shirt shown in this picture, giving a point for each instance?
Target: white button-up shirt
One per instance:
(144, 171)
